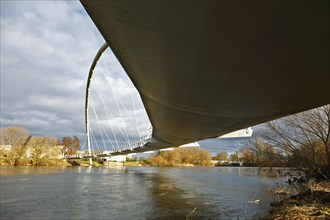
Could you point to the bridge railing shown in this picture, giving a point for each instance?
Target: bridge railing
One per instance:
(127, 147)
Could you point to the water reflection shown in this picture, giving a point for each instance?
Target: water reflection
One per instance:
(212, 193)
(10, 170)
(169, 200)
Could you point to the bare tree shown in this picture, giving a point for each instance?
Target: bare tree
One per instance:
(258, 151)
(222, 156)
(248, 156)
(70, 145)
(14, 140)
(304, 137)
(234, 157)
(42, 148)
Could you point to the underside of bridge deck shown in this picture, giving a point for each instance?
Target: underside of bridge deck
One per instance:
(206, 68)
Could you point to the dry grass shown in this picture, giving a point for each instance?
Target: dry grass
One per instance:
(312, 203)
(304, 212)
(280, 191)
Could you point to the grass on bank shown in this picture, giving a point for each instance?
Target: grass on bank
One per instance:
(84, 162)
(132, 163)
(41, 162)
(311, 203)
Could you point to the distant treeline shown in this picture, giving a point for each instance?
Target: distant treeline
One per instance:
(258, 154)
(181, 156)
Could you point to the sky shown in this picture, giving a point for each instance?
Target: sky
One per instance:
(47, 48)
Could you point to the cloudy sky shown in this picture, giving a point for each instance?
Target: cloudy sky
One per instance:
(46, 50)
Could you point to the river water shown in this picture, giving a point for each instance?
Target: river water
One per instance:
(134, 193)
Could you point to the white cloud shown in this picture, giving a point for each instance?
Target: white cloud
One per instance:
(46, 50)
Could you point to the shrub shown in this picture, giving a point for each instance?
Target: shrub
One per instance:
(179, 156)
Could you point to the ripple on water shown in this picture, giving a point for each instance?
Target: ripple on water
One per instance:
(132, 193)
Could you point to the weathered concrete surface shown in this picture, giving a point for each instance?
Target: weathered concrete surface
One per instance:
(204, 69)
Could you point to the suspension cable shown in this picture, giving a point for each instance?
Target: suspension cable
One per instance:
(116, 99)
(107, 111)
(98, 123)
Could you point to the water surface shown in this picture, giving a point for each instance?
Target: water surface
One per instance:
(133, 193)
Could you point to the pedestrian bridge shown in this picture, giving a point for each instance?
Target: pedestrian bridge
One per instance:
(207, 68)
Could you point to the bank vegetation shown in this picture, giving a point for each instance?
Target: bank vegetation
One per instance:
(17, 147)
(300, 141)
(312, 202)
(182, 156)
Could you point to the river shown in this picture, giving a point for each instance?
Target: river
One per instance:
(134, 193)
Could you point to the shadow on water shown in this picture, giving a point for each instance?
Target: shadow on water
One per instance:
(170, 201)
(204, 193)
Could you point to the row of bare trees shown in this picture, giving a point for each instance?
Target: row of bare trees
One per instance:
(304, 139)
(18, 148)
(301, 141)
(257, 154)
(180, 156)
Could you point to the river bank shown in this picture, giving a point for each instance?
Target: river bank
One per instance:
(44, 162)
(83, 163)
(313, 202)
